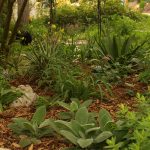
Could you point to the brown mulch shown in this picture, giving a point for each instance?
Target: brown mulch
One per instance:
(120, 95)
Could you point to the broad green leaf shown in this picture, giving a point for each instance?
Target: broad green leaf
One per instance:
(51, 123)
(68, 135)
(17, 126)
(76, 127)
(92, 130)
(64, 105)
(83, 143)
(82, 115)
(102, 137)
(73, 106)
(88, 126)
(86, 104)
(39, 115)
(25, 142)
(29, 127)
(45, 123)
(63, 124)
(109, 126)
(103, 118)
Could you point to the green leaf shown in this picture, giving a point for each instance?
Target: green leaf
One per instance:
(29, 127)
(63, 124)
(86, 104)
(64, 105)
(73, 106)
(103, 118)
(9, 97)
(45, 123)
(83, 143)
(68, 135)
(102, 137)
(92, 130)
(18, 125)
(76, 127)
(88, 126)
(25, 142)
(82, 115)
(65, 115)
(39, 115)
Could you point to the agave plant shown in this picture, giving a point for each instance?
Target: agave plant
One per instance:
(84, 131)
(118, 48)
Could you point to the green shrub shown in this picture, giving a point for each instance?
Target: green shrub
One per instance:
(86, 13)
(72, 85)
(132, 130)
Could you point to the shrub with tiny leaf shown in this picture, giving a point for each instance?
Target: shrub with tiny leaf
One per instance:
(132, 130)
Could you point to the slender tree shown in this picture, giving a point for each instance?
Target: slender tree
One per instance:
(1, 5)
(99, 16)
(52, 11)
(17, 24)
(4, 47)
(25, 16)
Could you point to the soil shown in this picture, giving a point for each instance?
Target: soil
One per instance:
(111, 103)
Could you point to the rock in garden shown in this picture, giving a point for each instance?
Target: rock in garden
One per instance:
(27, 98)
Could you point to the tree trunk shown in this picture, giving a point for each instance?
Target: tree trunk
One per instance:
(25, 16)
(5, 37)
(18, 22)
(99, 16)
(1, 5)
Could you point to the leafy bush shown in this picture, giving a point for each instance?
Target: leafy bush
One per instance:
(7, 95)
(75, 84)
(145, 76)
(45, 59)
(86, 12)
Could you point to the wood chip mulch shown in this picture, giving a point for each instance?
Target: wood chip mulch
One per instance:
(120, 95)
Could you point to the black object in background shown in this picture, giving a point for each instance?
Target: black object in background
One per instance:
(25, 38)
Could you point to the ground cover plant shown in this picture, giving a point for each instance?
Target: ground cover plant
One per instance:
(84, 65)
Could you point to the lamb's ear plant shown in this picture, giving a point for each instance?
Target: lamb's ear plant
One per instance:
(32, 129)
(72, 108)
(85, 131)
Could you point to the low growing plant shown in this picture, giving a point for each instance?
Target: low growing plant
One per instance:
(85, 131)
(72, 108)
(33, 129)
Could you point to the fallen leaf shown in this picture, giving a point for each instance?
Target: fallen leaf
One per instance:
(31, 147)
(1, 143)
(15, 145)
